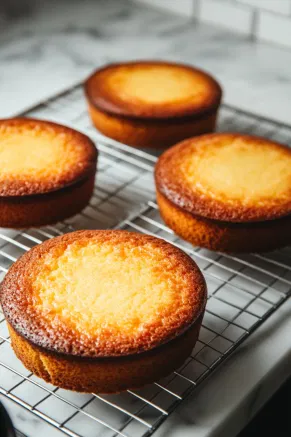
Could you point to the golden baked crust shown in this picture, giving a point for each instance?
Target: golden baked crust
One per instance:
(147, 293)
(105, 375)
(153, 90)
(152, 104)
(227, 177)
(47, 172)
(224, 236)
(47, 208)
(150, 133)
(40, 157)
(156, 293)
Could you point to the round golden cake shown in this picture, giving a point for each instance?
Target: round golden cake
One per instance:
(47, 172)
(152, 103)
(103, 311)
(227, 192)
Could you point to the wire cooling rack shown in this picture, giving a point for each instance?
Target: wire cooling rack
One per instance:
(243, 290)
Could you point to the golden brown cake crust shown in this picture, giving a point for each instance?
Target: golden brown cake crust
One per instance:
(150, 133)
(19, 308)
(78, 150)
(173, 185)
(99, 93)
(105, 375)
(225, 237)
(47, 208)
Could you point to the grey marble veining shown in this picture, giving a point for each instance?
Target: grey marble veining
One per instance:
(50, 51)
(62, 42)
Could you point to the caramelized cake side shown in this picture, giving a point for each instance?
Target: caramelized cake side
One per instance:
(103, 310)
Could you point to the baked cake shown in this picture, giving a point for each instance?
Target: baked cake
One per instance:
(152, 103)
(227, 192)
(47, 172)
(103, 311)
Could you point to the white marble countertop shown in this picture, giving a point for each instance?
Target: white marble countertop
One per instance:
(59, 45)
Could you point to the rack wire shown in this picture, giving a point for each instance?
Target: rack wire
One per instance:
(243, 290)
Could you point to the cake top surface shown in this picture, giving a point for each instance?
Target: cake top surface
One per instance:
(39, 156)
(228, 177)
(152, 89)
(103, 293)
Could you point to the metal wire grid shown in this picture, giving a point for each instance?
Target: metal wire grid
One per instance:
(243, 290)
